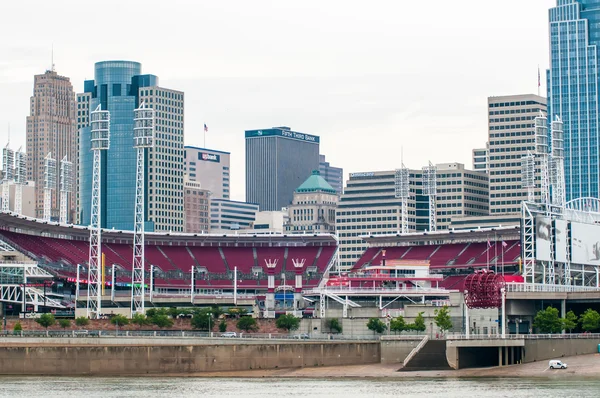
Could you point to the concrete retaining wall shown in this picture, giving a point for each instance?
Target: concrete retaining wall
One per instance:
(179, 359)
(395, 351)
(539, 350)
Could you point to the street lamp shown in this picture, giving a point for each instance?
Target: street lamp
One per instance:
(209, 317)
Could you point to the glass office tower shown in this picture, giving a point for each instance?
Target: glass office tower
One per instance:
(573, 90)
(119, 87)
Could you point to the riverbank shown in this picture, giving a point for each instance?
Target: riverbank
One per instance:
(580, 367)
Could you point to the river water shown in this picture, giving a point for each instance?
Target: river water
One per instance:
(146, 387)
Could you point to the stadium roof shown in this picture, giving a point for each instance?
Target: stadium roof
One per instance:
(444, 237)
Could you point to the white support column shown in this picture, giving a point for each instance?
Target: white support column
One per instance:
(192, 286)
(20, 177)
(467, 322)
(66, 186)
(77, 286)
(503, 292)
(112, 283)
(49, 185)
(151, 282)
(234, 285)
(143, 137)
(430, 189)
(8, 160)
(321, 306)
(402, 192)
(100, 137)
(345, 308)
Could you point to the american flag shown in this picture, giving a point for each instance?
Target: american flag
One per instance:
(205, 128)
(504, 244)
(489, 244)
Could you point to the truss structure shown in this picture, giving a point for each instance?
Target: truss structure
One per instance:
(430, 190)
(143, 137)
(49, 184)
(402, 192)
(528, 175)
(20, 173)
(16, 286)
(541, 153)
(100, 137)
(557, 169)
(66, 187)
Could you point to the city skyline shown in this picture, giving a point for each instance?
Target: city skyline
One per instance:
(339, 80)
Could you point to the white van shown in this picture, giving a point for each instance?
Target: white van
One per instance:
(556, 364)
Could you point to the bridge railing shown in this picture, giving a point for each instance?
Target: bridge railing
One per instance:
(524, 336)
(543, 288)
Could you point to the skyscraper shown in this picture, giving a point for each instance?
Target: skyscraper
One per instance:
(278, 160)
(511, 136)
(210, 168)
(573, 80)
(333, 175)
(51, 128)
(119, 87)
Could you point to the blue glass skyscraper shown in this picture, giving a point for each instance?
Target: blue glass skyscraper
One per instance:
(119, 87)
(573, 90)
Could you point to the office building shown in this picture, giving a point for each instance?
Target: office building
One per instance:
(277, 161)
(511, 137)
(480, 159)
(572, 83)
(196, 202)
(313, 207)
(51, 128)
(228, 215)
(120, 87)
(210, 168)
(270, 222)
(333, 175)
(368, 205)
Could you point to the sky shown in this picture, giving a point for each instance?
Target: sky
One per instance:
(380, 82)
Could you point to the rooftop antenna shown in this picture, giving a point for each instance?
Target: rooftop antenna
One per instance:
(8, 135)
(52, 59)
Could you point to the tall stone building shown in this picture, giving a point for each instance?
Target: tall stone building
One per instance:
(51, 128)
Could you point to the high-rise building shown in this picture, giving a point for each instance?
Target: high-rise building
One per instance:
(480, 159)
(228, 215)
(313, 206)
(51, 128)
(196, 202)
(572, 83)
(511, 137)
(333, 175)
(278, 160)
(369, 205)
(119, 87)
(210, 168)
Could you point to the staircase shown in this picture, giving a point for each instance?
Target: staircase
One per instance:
(432, 356)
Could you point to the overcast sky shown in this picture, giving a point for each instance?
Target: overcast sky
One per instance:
(368, 77)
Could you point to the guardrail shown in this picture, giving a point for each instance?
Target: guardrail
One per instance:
(342, 289)
(524, 336)
(186, 334)
(543, 288)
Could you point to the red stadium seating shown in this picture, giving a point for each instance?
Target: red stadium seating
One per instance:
(325, 257)
(179, 256)
(210, 258)
(271, 254)
(240, 257)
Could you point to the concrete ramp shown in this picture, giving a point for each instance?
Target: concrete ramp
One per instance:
(432, 356)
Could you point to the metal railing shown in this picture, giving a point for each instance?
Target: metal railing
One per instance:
(346, 289)
(524, 336)
(543, 288)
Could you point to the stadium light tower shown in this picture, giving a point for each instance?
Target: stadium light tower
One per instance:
(430, 189)
(143, 137)
(66, 186)
(528, 175)
(49, 183)
(20, 172)
(8, 159)
(541, 152)
(557, 173)
(402, 192)
(100, 137)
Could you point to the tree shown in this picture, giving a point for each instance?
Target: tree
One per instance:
(82, 321)
(162, 321)
(201, 321)
(223, 326)
(398, 324)
(548, 321)
(570, 321)
(376, 325)
(17, 327)
(287, 322)
(442, 319)
(64, 323)
(119, 320)
(247, 324)
(46, 320)
(590, 320)
(419, 324)
(140, 319)
(333, 324)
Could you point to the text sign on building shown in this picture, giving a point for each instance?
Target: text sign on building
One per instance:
(209, 157)
(283, 133)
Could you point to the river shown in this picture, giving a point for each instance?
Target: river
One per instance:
(146, 387)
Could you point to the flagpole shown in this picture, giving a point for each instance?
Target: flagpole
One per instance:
(539, 80)
(487, 253)
(496, 251)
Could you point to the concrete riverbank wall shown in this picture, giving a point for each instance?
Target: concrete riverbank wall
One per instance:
(138, 359)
